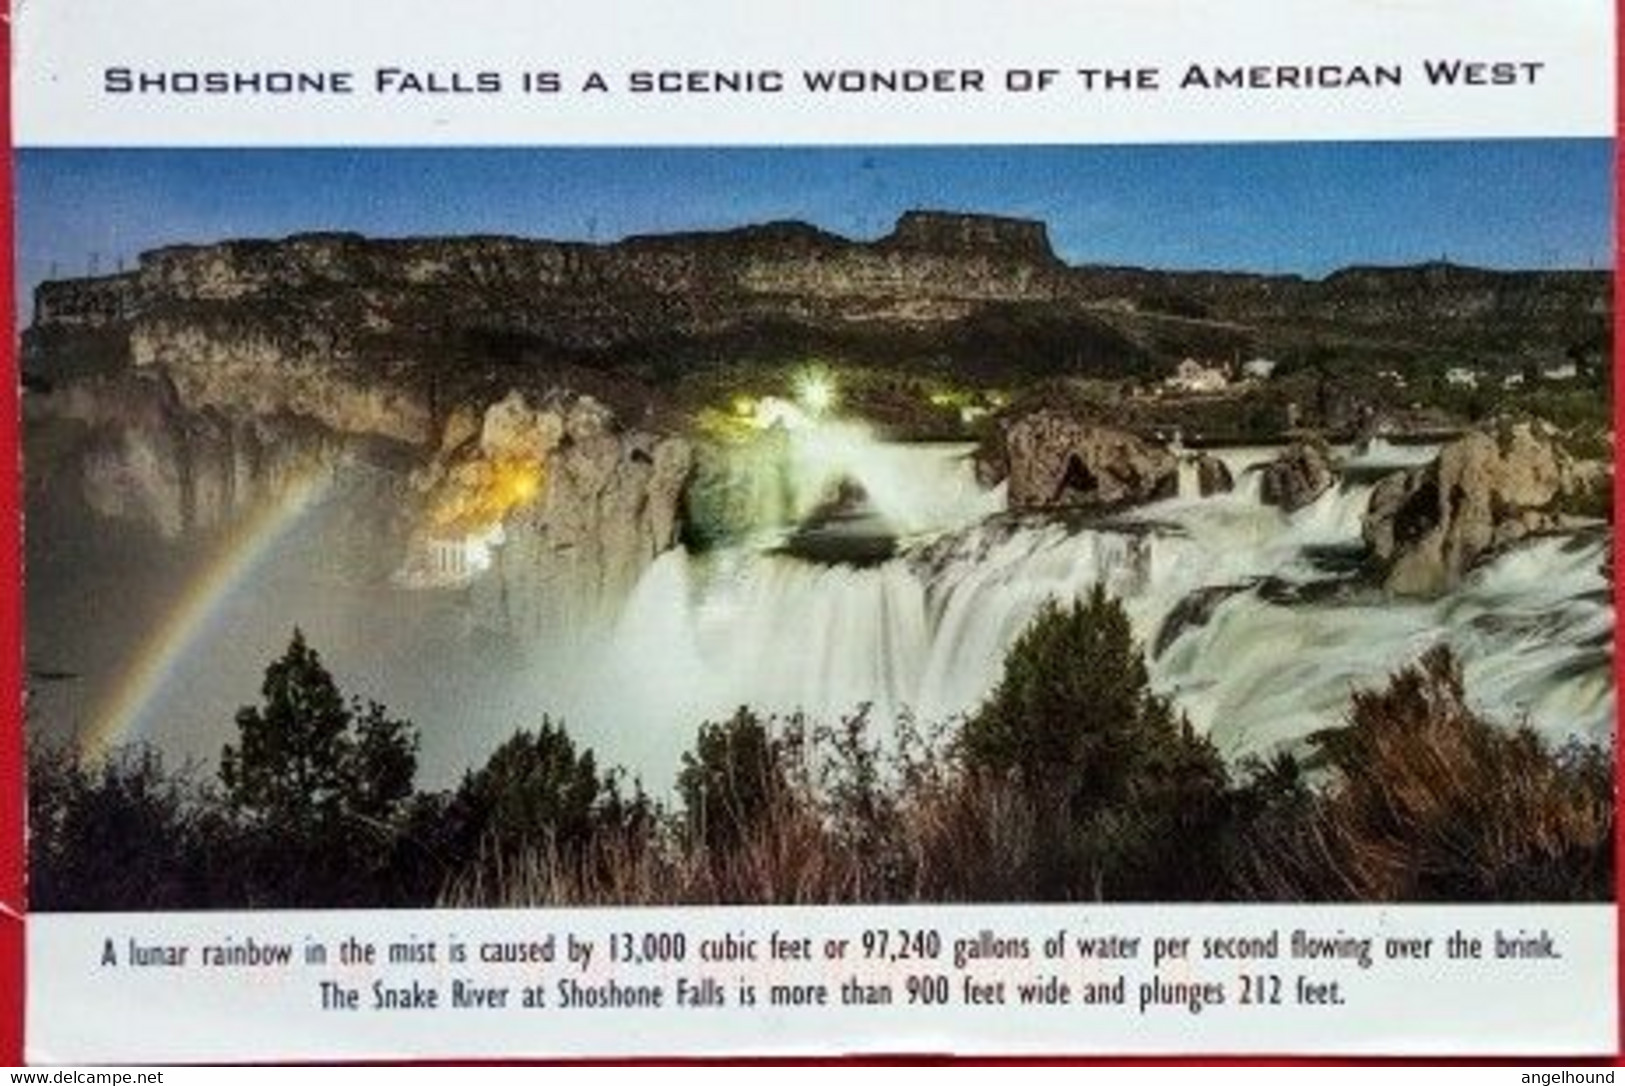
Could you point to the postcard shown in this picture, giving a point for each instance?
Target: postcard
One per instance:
(625, 531)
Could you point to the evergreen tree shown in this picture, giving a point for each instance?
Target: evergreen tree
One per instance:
(1124, 792)
(731, 780)
(537, 791)
(319, 784)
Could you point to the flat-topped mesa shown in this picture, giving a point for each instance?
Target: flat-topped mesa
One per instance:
(984, 235)
(933, 253)
(88, 303)
(982, 294)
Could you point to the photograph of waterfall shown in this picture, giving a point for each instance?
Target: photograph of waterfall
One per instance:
(814, 525)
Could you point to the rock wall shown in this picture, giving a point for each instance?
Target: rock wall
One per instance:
(442, 304)
(607, 507)
(301, 371)
(129, 448)
(145, 458)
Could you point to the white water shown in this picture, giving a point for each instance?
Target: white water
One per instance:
(926, 632)
(917, 488)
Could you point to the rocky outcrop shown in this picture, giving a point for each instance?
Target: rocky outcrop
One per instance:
(1298, 476)
(738, 488)
(1212, 477)
(458, 304)
(131, 450)
(1056, 460)
(303, 370)
(1427, 527)
(980, 293)
(935, 232)
(605, 506)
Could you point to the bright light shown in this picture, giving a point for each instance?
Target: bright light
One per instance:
(815, 391)
(477, 496)
(518, 483)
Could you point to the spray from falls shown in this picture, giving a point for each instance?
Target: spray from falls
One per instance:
(1257, 633)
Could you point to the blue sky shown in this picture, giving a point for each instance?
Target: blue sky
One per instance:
(1297, 207)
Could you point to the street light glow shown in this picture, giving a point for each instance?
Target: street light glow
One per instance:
(815, 391)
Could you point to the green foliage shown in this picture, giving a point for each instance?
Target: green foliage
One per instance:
(1125, 792)
(117, 833)
(308, 758)
(1075, 707)
(316, 785)
(736, 773)
(537, 791)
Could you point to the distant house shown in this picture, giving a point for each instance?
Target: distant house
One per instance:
(1461, 377)
(1512, 380)
(1193, 376)
(1566, 371)
(1393, 377)
(1259, 369)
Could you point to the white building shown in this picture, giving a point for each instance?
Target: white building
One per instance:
(438, 561)
(1192, 376)
(1259, 369)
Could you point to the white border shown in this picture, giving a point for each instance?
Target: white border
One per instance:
(63, 49)
(80, 1011)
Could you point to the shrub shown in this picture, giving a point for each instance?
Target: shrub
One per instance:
(1428, 801)
(1129, 799)
(536, 791)
(736, 774)
(119, 833)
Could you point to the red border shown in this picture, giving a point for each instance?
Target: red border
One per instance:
(1619, 550)
(12, 891)
(12, 761)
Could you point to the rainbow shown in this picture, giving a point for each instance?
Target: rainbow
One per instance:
(238, 559)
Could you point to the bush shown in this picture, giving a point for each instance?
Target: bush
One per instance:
(1127, 797)
(536, 793)
(736, 774)
(1428, 801)
(116, 834)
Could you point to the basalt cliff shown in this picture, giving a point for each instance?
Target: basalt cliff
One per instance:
(383, 336)
(179, 393)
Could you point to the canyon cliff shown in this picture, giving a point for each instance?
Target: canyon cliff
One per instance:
(379, 335)
(183, 392)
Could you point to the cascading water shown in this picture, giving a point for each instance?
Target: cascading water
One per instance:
(1254, 620)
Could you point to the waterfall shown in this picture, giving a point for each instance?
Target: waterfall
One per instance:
(1262, 635)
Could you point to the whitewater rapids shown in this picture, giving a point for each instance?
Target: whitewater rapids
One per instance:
(1253, 619)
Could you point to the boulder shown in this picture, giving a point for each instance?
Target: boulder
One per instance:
(1429, 525)
(1212, 477)
(1298, 476)
(1057, 461)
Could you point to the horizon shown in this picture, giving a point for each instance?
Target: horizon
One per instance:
(134, 264)
(1298, 209)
